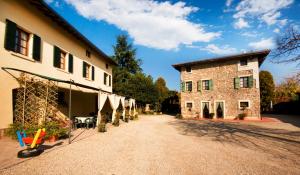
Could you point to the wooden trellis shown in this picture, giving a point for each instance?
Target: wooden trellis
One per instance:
(36, 100)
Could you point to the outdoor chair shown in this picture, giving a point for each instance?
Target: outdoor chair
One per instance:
(89, 122)
(77, 123)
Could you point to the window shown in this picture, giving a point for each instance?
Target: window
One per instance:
(88, 53)
(105, 78)
(189, 105)
(188, 69)
(205, 84)
(106, 65)
(62, 60)
(243, 62)
(87, 71)
(21, 42)
(244, 82)
(244, 104)
(189, 86)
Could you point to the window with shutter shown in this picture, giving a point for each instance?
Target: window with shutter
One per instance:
(199, 86)
(182, 86)
(236, 83)
(105, 78)
(205, 84)
(93, 73)
(210, 84)
(109, 80)
(56, 57)
(189, 86)
(70, 63)
(10, 35)
(250, 83)
(36, 52)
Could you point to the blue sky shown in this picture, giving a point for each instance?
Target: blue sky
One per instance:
(169, 32)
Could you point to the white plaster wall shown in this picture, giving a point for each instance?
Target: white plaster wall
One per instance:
(252, 65)
(34, 21)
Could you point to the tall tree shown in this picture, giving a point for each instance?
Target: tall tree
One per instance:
(267, 88)
(287, 90)
(162, 92)
(288, 47)
(125, 55)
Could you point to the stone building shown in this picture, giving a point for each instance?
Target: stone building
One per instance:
(221, 87)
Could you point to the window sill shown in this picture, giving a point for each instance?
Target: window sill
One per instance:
(22, 56)
(89, 79)
(59, 69)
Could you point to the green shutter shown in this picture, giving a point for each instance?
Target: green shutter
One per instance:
(236, 83)
(182, 86)
(84, 69)
(250, 83)
(210, 85)
(93, 73)
(56, 57)
(109, 80)
(36, 52)
(10, 35)
(70, 63)
(199, 86)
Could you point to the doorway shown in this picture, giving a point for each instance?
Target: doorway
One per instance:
(220, 109)
(205, 109)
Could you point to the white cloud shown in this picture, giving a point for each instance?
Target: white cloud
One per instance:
(228, 2)
(267, 11)
(263, 44)
(276, 30)
(160, 25)
(241, 23)
(225, 50)
(250, 34)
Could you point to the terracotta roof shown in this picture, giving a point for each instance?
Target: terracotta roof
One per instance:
(54, 16)
(261, 55)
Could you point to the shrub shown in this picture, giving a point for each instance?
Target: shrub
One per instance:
(102, 127)
(136, 117)
(242, 116)
(126, 118)
(178, 116)
(211, 115)
(116, 121)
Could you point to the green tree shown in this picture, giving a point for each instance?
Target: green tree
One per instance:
(128, 79)
(267, 88)
(125, 55)
(162, 92)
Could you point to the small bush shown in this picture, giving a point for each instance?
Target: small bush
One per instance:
(178, 116)
(126, 118)
(102, 127)
(211, 115)
(131, 117)
(136, 117)
(116, 121)
(242, 116)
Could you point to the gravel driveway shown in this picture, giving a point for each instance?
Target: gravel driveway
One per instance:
(164, 145)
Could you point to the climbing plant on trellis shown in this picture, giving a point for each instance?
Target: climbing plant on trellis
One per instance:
(36, 100)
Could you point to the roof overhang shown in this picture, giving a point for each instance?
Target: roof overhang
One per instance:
(260, 55)
(54, 16)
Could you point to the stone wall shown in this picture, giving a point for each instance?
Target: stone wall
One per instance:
(222, 75)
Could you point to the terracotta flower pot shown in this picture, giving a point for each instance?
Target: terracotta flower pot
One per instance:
(52, 139)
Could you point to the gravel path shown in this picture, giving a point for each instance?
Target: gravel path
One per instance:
(163, 145)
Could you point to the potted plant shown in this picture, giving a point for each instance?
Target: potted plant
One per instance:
(211, 115)
(117, 118)
(242, 116)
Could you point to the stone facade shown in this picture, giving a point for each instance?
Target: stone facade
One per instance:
(222, 75)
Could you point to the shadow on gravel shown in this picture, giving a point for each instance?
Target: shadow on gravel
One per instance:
(274, 141)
